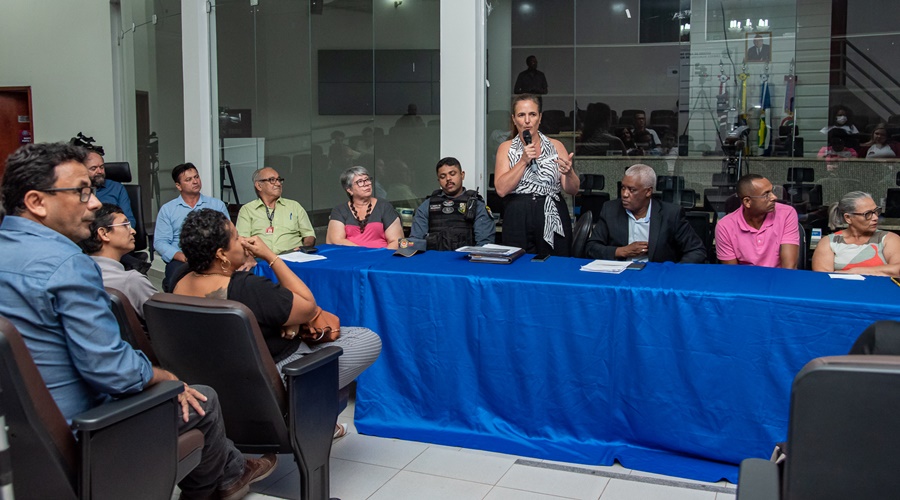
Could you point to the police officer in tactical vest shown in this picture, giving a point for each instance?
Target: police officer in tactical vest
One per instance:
(453, 217)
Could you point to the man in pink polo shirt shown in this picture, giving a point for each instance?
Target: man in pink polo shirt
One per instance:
(760, 233)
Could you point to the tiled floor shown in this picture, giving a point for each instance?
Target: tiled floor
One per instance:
(365, 467)
(372, 468)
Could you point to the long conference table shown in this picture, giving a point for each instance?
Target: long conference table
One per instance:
(683, 370)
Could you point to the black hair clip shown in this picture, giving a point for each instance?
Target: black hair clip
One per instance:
(87, 143)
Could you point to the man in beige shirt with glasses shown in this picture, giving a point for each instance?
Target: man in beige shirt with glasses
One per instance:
(282, 224)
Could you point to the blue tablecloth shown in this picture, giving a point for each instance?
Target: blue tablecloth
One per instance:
(678, 369)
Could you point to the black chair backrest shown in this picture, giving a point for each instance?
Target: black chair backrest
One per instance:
(137, 208)
(803, 257)
(800, 175)
(706, 230)
(130, 327)
(119, 171)
(42, 448)
(892, 203)
(591, 203)
(218, 343)
(581, 234)
(881, 337)
(590, 182)
(669, 182)
(844, 411)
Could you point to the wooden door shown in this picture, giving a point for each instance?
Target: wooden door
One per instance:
(16, 127)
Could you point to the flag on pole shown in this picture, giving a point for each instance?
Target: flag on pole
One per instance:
(765, 103)
(790, 85)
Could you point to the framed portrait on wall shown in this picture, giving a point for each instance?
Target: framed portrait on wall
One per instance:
(758, 47)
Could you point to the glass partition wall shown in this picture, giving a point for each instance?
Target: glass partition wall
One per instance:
(725, 88)
(150, 43)
(311, 88)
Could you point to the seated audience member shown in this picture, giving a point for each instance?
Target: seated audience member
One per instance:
(640, 126)
(841, 118)
(364, 220)
(452, 217)
(644, 145)
(291, 322)
(595, 138)
(108, 191)
(836, 147)
(411, 118)
(761, 232)
(636, 227)
(112, 237)
(171, 217)
(282, 224)
(54, 295)
(881, 145)
(627, 137)
(860, 248)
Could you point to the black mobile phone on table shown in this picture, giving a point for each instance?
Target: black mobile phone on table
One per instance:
(541, 257)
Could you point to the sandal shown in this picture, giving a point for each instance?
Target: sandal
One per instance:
(340, 430)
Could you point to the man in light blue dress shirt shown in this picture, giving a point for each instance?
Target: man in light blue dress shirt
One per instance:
(171, 216)
(53, 294)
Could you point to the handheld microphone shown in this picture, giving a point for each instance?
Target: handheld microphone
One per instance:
(526, 135)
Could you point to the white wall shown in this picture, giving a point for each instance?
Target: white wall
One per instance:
(61, 49)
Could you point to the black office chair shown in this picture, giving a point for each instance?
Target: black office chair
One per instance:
(130, 327)
(581, 233)
(589, 201)
(803, 256)
(128, 448)
(881, 337)
(892, 201)
(120, 171)
(800, 193)
(841, 434)
(553, 121)
(260, 415)
(704, 224)
(493, 200)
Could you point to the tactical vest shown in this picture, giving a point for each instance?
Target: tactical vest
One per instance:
(451, 222)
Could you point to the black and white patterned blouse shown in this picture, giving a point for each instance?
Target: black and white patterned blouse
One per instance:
(541, 179)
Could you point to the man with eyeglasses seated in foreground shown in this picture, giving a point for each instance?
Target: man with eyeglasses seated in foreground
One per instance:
(761, 232)
(281, 224)
(54, 295)
(171, 216)
(112, 237)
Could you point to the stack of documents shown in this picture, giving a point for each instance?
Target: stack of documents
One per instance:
(606, 266)
(491, 253)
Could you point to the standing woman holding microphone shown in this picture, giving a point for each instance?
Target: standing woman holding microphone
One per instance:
(529, 172)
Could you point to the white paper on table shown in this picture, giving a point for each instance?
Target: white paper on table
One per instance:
(606, 266)
(301, 257)
(851, 277)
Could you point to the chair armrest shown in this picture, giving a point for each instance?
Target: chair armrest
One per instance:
(127, 407)
(758, 480)
(312, 361)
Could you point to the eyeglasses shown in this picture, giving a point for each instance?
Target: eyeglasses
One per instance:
(363, 182)
(868, 215)
(766, 195)
(273, 180)
(85, 191)
(126, 224)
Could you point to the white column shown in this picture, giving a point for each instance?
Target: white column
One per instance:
(462, 87)
(198, 113)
